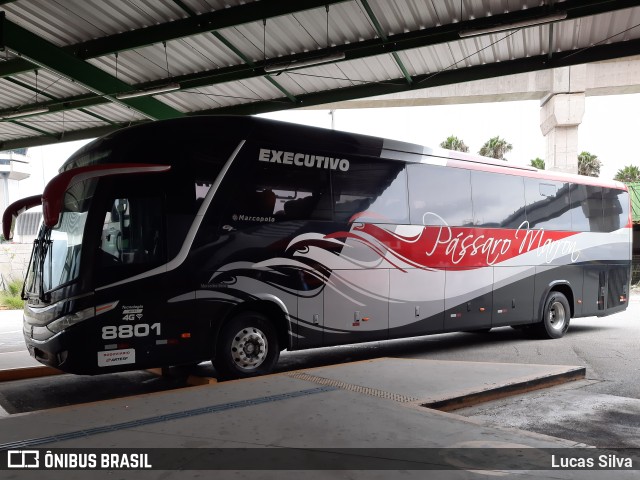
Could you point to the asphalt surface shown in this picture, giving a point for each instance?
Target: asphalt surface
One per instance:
(603, 410)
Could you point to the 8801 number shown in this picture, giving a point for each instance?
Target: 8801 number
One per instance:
(111, 332)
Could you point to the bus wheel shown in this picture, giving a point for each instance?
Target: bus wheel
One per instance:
(247, 347)
(556, 316)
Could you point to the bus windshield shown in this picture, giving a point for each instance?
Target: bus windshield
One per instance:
(57, 251)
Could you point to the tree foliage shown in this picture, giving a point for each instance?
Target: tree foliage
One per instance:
(454, 143)
(628, 174)
(589, 165)
(537, 163)
(496, 147)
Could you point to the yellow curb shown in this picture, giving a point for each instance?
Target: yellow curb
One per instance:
(27, 372)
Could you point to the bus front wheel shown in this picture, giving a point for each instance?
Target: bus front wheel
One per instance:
(247, 347)
(555, 317)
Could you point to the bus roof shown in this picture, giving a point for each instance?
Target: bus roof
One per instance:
(177, 133)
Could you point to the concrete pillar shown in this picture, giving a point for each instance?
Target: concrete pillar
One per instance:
(561, 113)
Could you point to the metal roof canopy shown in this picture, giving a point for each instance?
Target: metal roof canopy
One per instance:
(75, 69)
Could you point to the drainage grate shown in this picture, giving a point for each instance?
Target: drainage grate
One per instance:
(162, 418)
(373, 392)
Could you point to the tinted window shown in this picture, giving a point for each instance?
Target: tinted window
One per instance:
(271, 193)
(498, 200)
(548, 204)
(438, 194)
(371, 191)
(586, 208)
(616, 209)
(132, 232)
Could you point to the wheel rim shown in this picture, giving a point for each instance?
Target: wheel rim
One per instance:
(557, 316)
(249, 348)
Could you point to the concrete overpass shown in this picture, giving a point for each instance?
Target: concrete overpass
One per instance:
(561, 93)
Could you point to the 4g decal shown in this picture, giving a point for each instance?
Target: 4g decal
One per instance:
(131, 313)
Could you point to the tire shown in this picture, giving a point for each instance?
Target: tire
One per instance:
(247, 347)
(555, 316)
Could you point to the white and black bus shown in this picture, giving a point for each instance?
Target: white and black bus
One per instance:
(233, 238)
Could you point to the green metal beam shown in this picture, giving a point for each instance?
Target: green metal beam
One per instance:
(49, 56)
(383, 36)
(447, 77)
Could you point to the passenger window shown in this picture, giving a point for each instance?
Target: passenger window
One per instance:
(371, 191)
(132, 232)
(439, 195)
(548, 204)
(586, 208)
(498, 200)
(616, 209)
(274, 193)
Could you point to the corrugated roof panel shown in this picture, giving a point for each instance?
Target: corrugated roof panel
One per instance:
(12, 130)
(203, 6)
(301, 32)
(597, 30)
(184, 56)
(424, 60)
(374, 69)
(74, 21)
(344, 74)
(221, 95)
(61, 122)
(51, 83)
(314, 79)
(13, 94)
(117, 113)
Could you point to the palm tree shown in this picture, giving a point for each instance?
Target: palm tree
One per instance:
(589, 165)
(496, 147)
(537, 163)
(628, 174)
(454, 143)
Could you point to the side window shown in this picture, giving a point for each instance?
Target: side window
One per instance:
(271, 193)
(616, 209)
(132, 232)
(548, 204)
(439, 194)
(586, 208)
(371, 191)
(498, 200)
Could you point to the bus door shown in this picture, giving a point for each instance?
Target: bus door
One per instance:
(132, 313)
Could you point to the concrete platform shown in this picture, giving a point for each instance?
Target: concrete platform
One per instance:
(374, 405)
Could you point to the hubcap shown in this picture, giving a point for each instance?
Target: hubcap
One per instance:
(557, 316)
(249, 348)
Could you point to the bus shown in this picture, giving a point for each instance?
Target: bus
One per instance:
(231, 239)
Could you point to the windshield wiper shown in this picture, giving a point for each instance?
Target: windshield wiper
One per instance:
(35, 275)
(45, 243)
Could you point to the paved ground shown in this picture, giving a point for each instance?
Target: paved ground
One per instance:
(604, 410)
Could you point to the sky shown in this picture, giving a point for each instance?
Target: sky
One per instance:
(608, 130)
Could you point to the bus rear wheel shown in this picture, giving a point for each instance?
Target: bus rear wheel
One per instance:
(247, 347)
(555, 317)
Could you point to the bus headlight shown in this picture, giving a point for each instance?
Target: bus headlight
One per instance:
(68, 320)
